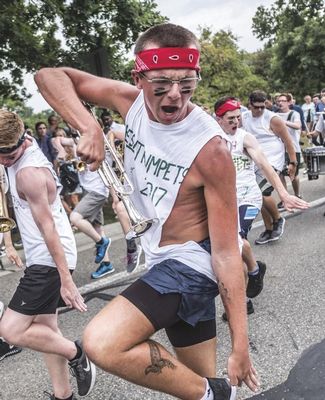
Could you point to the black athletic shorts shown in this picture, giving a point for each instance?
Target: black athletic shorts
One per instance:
(162, 312)
(38, 291)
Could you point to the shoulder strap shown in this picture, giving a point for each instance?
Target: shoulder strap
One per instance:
(290, 115)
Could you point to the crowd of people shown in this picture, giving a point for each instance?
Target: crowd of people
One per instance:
(185, 178)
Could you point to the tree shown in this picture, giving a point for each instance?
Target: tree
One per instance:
(78, 33)
(296, 33)
(225, 70)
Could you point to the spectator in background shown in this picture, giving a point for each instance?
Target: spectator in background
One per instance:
(53, 124)
(293, 106)
(321, 103)
(43, 138)
(309, 111)
(109, 124)
(292, 120)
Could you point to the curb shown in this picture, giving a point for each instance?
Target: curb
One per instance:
(114, 231)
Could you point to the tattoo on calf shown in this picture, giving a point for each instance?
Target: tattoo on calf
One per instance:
(157, 362)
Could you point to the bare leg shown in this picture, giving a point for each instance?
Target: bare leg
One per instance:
(296, 186)
(133, 357)
(100, 230)
(56, 365)
(121, 213)
(248, 256)
(200, 358)
(270, 212)
(84, 226)
(24, 331)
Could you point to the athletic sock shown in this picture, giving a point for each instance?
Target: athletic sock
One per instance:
(101, 241)
(256, 270)
(208, 395)
(131, 245)
(79, 353)
(66, 398)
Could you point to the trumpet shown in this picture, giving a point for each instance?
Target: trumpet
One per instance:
(79, 165)
(6, 223)
(117, 179)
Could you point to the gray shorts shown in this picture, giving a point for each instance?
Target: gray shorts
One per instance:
(264, 185)
(91, 207)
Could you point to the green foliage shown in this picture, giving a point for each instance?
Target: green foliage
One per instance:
(225, 70)
(38, 33)
(296, 33)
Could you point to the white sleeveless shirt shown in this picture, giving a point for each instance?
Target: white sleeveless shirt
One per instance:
(247, 188)
(36, 251)
(157, 158)
(271, 144)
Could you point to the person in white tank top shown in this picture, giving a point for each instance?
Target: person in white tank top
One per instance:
(245, 152)
(178, 161)
(50, 252)
(273, 137)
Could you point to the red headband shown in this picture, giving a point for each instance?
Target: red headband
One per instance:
(167, 57)
(229, 105)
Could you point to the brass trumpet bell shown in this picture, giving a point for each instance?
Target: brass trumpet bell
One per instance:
(6, 224)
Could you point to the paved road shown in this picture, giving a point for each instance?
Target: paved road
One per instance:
(289, 317)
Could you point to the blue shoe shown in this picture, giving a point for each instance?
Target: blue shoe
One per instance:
(103, 269)
(101, 249)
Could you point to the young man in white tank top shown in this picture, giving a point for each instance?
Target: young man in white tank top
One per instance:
(182, 172)
(246, 152)
(50, 251)
(274, 139)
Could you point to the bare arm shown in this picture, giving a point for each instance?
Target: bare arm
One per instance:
(293, 124)
(64, 88)
(255, 152)
(279, 128)
(38, 188)
(217, 172)
(11, 252)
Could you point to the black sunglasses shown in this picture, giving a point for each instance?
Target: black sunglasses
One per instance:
(258, 107)
(7, 150)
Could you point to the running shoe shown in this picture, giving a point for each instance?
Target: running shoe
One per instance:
(7, 349)
(84, 371)
(133, 259)
(255, 282)
(264, 237)
(280, 206)
(103, 269)
(221, 388)
(101, 249)
(278, 228)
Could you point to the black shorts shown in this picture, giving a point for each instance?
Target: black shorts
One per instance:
(162, 312)
(38, 291)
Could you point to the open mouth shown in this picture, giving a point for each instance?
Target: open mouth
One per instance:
(169, 109)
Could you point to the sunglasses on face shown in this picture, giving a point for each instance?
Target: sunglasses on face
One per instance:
(258, 107)
(7, 150)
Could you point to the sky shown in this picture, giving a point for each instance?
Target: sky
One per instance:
(235, 15)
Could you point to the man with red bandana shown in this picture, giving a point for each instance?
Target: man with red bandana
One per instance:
(178, 160)
(246, 152)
